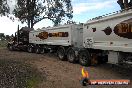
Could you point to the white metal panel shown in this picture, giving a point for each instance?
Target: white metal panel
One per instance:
(59, 40)
(77, 35)
(113, 57)
(64, 41)
(107, 42)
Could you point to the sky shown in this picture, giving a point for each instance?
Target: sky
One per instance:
(83, 10)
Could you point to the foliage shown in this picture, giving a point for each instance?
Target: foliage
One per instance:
(5, 37)
(4, 8)
(33, 11)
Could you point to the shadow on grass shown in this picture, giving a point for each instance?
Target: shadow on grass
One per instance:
(14, 74)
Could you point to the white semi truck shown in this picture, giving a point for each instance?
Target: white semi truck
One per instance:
(106, 38)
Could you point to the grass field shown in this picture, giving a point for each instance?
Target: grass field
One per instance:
(3, 43)
(15, 73)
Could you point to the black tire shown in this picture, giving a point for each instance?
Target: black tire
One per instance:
(84, 58)
(30, 49)
(103, 59)
(71, 56)
(10, 47)
(61, 53)
(42, 51)
(37, 50)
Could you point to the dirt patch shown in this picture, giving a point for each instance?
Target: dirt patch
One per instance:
(14, 74)
(62, 74)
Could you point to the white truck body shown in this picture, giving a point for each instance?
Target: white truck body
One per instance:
(72, 34)
(102, 39)
(112, 32)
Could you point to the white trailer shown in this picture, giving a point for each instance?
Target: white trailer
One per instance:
(63, 39)
(109, 36)
(106, 38)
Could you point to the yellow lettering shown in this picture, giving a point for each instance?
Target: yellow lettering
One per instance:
(120, 28)
(119, 31)
(124, 28)
(60, 34)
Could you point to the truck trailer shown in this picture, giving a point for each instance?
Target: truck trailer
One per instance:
(64, 40)
(109, 35)
(106, 38)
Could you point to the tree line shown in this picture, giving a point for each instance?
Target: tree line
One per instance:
(5, 37)
(33, 11)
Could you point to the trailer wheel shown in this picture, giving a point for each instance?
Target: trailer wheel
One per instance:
(84, 58)
(61, 53)
(11, 48)
(37, 50)
(71, 55)
(42, 51)
(30, 49)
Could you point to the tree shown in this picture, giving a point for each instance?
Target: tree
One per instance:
(7, 37)
(4, 8)
(33, 11)
(2, 36)
(124, 4)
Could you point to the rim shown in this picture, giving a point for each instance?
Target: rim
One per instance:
(71, 55)
(61, 54)
(37, 50)
(10, 47)
(30, 49)
(83, 58)
(43, 51)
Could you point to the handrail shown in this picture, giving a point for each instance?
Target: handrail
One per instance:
(110, 14)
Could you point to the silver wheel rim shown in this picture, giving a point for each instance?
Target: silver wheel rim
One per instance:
(83, 59)
(37, 50)
(10, 47)
(71, 55)
(30, 49)
(60, 54)
(43, 51)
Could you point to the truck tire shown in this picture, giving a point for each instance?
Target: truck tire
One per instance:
(84, 58)
(61, 53)
(11, 48)
(37, 50)
(71, 55)
(30, 49)
(42, 51)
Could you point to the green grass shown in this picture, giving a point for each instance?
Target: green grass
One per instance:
(33, 82)
(3, 43)
(18, 75)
